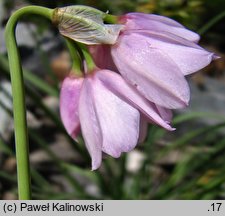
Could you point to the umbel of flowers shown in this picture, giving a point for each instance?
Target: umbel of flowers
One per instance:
(134, 76)
(127, 71)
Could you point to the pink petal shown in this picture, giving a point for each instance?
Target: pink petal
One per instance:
(154, 17)
(143, 129)
(166, 114)
(118, 120)
(128, 93)
(187, 55)
(69, 99)
(160, 24)
(90, 124)
(102, 56)
(153, 73)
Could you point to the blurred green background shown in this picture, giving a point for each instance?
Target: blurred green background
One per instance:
(186, 164)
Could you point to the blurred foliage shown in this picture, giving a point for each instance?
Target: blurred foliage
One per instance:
(191, 13)
(198, 173)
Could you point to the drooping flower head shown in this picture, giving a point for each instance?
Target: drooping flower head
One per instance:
(107, 110)
(153, 54)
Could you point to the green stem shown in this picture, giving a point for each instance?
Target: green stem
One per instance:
(76, 65)
(211, 23)
(112, 19)
(19, 110)
(87, 56)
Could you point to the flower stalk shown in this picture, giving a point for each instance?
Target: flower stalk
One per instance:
(19, 110)
(88, 58)
(112, 19)
(75, 57)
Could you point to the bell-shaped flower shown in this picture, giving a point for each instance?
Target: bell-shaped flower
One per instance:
(107, 111)
(154, 53)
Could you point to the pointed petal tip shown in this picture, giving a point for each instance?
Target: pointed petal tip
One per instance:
(115, 153)
(95, 165)
(93, 169)
(197, 39)
(173, 129)
(169, 128)
(215, 56)
(74, 134)
(184, 102)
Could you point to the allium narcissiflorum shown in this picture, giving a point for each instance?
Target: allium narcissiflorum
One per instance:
(139, 78)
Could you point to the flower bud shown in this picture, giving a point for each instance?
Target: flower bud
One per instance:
(85, 24)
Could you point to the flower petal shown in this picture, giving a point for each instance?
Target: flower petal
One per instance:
(160, 24)
(166, 114)
(119, 121)
(69, 99)
(187, 55)
(102, 56)
(153, 73)
(121, 88)
(90, 124)
(143, 129)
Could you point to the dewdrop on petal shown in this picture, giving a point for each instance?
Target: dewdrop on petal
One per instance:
(85, 24)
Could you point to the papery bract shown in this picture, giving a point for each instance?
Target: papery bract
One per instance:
(85, 24)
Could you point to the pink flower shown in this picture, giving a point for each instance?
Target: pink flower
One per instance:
(107, 110)
(154, 54)
(152, 22)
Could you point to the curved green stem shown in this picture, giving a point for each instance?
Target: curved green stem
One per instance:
(19, 110)
(211, 23)
(76, 65)
(87, 56)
